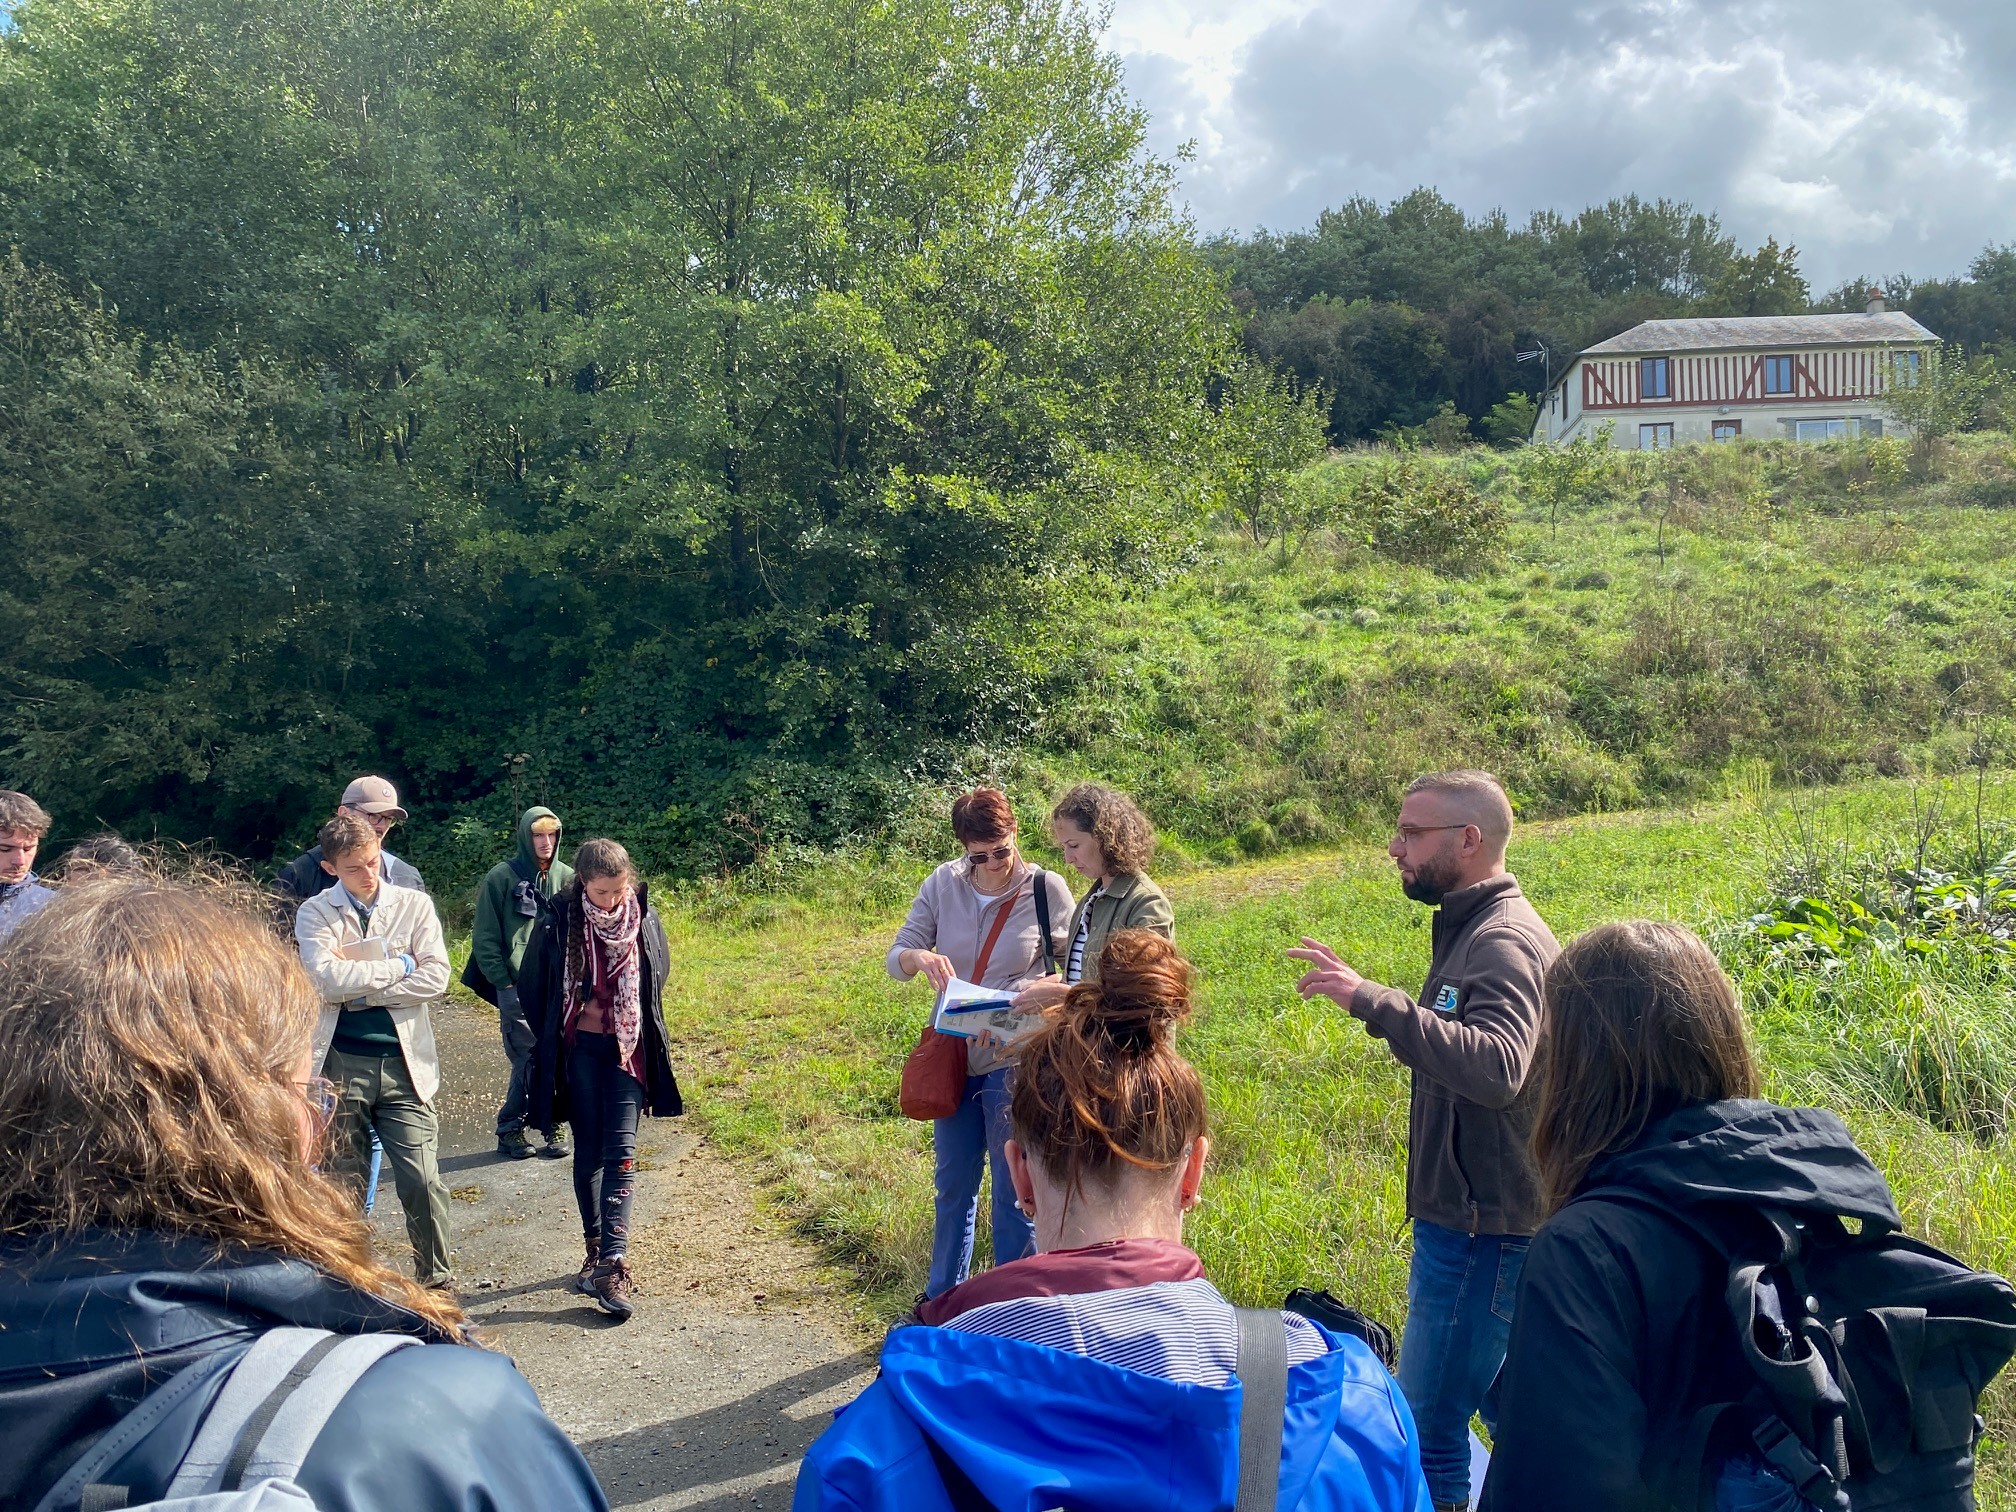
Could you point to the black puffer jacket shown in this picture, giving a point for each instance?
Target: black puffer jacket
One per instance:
(1621, 1329)
(542, 990)
(90, 1325)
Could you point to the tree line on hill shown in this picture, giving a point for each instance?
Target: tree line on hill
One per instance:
(706, 419)
(711, 403)
(1412, 315)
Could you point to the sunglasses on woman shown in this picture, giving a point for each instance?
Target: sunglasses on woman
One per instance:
(981, 858)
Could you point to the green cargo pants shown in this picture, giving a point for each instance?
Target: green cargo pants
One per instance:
(376, 1091)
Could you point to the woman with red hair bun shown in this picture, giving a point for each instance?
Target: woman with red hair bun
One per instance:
(980, 918)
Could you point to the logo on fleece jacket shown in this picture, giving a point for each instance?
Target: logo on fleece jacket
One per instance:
(1445, 998)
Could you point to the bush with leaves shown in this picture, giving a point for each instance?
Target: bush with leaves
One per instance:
(1410, 508)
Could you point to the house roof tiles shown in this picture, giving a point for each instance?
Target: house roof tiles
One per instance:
(1763, 331)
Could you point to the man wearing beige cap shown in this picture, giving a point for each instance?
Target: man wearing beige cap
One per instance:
(376, 802)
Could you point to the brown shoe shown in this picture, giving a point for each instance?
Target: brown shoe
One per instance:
(584, 1282)
(612, 1287)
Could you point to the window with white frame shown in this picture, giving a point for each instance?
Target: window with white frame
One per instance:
(1905, 367)
(1655, 437)
(1826, 430)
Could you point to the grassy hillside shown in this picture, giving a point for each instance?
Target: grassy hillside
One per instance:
(791, 1035)
(1674, 624)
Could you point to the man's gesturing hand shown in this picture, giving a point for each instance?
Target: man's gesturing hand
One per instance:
(1328, 976)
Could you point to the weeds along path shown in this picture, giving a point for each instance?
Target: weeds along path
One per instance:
(743, 1341)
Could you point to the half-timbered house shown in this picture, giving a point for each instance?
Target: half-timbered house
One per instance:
(1801, 377)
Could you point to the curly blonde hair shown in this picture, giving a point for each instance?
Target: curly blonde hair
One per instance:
(151, 1033)
(1125, 837)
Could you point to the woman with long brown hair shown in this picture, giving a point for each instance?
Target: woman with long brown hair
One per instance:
(161, 1212)
(1647, 1132)
(1105, 1372)
(593, 987)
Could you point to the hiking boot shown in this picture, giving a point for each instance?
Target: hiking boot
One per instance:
(514, 1146)
(557, 1147)
(584, 1283)
(612, 1287)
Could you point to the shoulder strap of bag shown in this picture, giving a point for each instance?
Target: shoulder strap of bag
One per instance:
(81, 1485)
(987, 950)
(278, 1399)
(1042, 895)
(1263, 1401)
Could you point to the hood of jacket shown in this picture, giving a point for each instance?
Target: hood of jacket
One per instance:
(1037, 1427)
(525, 862)
(1755, 1153)
(100, 1316)
(100, 1298)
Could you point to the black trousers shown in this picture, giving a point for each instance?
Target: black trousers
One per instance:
(605, 1102)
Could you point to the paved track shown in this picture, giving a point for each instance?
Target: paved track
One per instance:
(742, 1343)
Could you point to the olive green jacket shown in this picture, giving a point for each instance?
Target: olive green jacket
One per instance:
(1130, 901)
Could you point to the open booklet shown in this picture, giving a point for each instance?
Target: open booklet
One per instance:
(965, 1010)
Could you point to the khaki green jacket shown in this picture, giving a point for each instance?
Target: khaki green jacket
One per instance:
(1130, 901)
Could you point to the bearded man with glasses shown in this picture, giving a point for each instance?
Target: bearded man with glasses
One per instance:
(1472, 1190)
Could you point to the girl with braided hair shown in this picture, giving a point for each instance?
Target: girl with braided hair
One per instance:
(592, 986)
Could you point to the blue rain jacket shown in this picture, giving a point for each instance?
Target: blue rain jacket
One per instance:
(1038, 1428)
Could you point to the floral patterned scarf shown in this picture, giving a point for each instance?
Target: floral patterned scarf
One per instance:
(609, 956)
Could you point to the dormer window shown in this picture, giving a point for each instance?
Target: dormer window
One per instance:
(1778, 375)
(1655, 377)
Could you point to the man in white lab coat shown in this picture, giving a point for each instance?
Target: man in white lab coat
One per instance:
(376, 955)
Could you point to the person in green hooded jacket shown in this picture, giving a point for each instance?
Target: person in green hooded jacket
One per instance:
(513, 897)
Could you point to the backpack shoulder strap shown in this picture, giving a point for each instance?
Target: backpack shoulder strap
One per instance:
(1263, 1400)
(281, 1393)
(83, 1483)
(1042, 901)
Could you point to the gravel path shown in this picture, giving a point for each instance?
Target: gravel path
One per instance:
(742, 1343)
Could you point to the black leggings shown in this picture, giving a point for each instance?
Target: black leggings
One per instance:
(604, 1102)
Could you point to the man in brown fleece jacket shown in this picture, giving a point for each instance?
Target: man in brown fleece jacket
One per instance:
(1469, 1040)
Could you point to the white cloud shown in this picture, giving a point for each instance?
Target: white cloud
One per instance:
(1877, 138)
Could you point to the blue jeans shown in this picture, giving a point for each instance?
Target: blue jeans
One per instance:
(1460, 1290)
(965, 1143)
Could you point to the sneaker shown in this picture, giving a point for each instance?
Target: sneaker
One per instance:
(557, 1147)
(514, 1146)
(613, 1288)
(584, 1283)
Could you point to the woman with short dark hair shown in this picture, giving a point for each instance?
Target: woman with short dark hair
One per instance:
(1105, 1372)
(162, 1222)
(977, 918)
(1647, 1113)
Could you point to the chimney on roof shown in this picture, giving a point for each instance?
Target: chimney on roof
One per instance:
(1876, 306)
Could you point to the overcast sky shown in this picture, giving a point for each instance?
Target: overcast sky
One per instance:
(1878, 137)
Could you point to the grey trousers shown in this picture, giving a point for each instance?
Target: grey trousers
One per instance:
(376, 1092)
(519, 1041)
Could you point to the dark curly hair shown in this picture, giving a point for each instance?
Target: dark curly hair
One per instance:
(1126, 838)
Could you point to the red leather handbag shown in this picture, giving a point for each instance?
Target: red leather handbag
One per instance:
(934, 1074)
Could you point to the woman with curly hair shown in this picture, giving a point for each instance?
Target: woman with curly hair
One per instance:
(168, 1244)
(1107, 838)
